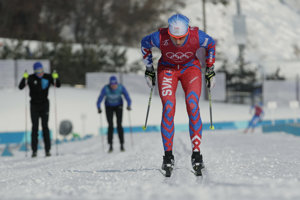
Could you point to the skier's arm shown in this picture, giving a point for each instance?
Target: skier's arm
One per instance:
(22, 84)
(209, 44)
(101, 96)
(126, 95)
(147, 43)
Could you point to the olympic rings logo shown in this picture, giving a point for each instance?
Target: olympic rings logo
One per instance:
(179, 56)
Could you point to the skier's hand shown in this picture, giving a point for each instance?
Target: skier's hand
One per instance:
(128, 108)
(99, 110)
(150, 76)
(210, 77)
(55, 75)
(25, 75)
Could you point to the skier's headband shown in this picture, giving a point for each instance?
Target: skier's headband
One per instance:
(113, 82)
(180, 36)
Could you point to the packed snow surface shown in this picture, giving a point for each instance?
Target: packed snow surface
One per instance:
(238, 165)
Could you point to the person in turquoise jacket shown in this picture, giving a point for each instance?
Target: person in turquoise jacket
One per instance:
(112, 93)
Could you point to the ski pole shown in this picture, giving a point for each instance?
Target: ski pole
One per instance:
(55, 115)
(101, 132)
(149, 103)
(210, 110)
(130, 127)
(26, 108)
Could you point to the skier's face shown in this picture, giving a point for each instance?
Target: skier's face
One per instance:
(39, 72)
(178, 41)
(114, 86)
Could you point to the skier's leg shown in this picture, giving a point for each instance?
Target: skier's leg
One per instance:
(251, 124)
(191, 81)
(119, 113)
(46, 136)
(254, 122)
(34, 114)
(167, 85)
(109, 117)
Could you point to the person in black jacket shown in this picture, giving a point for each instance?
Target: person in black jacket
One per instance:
(39, 83)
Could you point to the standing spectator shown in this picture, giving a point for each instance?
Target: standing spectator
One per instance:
(114, 105)
(39, 83)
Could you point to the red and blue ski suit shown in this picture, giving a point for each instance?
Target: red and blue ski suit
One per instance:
(257, 117)
(179, 63)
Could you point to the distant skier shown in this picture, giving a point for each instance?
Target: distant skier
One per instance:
(257, 117)
(39, 84)
(114, 104)
(184, 51)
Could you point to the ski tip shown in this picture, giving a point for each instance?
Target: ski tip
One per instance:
(197, 173)
(144, 127)
(212, 127)
(167, 173)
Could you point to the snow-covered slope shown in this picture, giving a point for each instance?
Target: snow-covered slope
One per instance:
(272, 33)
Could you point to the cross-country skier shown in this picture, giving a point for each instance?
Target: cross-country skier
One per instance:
(114, 104)
(181, 47)
(39, 84)
(257, 117)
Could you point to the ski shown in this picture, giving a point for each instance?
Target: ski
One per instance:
(167, 172)
(197, 173)
(197, 170)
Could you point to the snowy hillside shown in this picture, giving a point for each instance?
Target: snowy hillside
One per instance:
(272, 33)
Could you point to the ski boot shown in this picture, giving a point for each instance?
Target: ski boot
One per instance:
(110, 148)
(197, 163)
(168, 164)
(122, 148)
(34, 154)
(48, 154)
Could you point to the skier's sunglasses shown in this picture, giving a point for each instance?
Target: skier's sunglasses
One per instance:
(38, 71)
(179, 37)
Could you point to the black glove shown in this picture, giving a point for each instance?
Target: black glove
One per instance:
(209, 77)
(150, 76)
(128, 108)
(99, 110)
